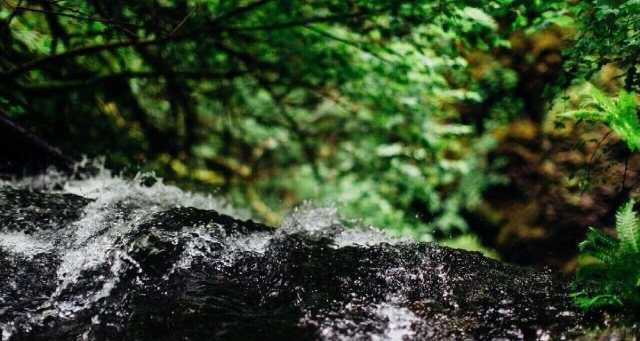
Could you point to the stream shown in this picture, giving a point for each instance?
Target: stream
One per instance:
(102, 257)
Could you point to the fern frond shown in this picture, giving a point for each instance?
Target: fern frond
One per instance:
(603, 101)
(589, 114)
(586, 301)
(599, 246)
(609, 272)
(625, 120)
(628, 228)
(620, 114)
(590, 103)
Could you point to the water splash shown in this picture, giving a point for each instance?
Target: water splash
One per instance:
(23, 244)
(132, 241)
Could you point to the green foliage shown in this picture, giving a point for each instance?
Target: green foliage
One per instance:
(628, 228)
(620, 114)
(389, 107)
(274, 101)
(606, 33)
(609, 273)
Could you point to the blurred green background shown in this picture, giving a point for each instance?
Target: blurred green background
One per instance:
(432, 119)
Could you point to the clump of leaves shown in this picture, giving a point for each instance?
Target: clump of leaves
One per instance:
(609, 273)
(620, 114)
(605, 33)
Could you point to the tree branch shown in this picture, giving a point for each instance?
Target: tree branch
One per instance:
(295, 23)
(87, 50)
(242, 9)
(356, 45)
(165, 39)
(184, 20)
(107, 79)
(22, 151)
(19, 8)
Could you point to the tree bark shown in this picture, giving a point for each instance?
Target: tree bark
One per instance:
(23, 153)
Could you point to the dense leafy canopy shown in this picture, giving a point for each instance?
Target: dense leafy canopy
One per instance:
(390, 108)
(607, 32)
(328, 100)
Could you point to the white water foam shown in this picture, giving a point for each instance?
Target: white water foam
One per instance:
(400, 321)
(23, 244)
(326, 221)
(121, 204)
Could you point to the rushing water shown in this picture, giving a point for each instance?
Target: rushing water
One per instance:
(103, 257)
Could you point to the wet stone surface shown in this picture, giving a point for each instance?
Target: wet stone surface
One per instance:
(126, 261)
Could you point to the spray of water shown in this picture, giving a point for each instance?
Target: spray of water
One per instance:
(100, 239)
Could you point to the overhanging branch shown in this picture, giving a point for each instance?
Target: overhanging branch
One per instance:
(88, 50)
(106, 79)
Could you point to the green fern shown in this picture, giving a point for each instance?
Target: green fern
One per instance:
(628, 228)
(598, 246)
(609, 273)
(620, 114)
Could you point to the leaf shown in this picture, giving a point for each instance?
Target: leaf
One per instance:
(625, 121)
(389, 150)
(480, 17)
(609, 271)
(584, 114)
(563, 21)
(620, 114)
(628, 228)
(598, 245)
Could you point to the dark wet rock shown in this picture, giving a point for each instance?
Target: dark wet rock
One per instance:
(118, 270)
(25, 210)
(26, 285)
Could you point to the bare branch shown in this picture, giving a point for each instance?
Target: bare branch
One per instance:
(107, 79)
(242, 9)
(175, 29)
(356, 45)
(19, 8)
(88, 50)
(296, 23)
